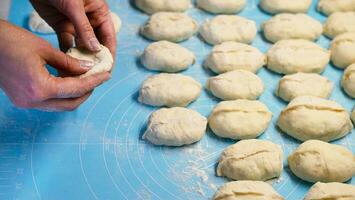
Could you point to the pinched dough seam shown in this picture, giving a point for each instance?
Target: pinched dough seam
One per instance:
(333, 197)
(337, 42)
(242, 111)
(297, 48)
(348, 74)
(236, 194)
(318, 108)
(233, 51)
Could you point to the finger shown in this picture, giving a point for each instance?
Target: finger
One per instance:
(84, 30)
(107, 36)
(66, 41)
(72, 87)
(66, 63)
(57, 105)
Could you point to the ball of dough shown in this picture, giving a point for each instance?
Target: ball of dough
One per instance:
(230, 56)
(116, 20)
(239, 119)
(257, 160)
(154, 6)
(175, 127)
(221, 7)
(285, 6)
(37, 24)
(169, 90)
(304, 84)
(343, 48)
(244, 190)
(291, 26)
(338, 23)
(348, 81)
(329, 7)
(297, 55)
(103, 60)
(174, 27)
(237, 84)
(308, 117)
(334, 191)
(224, 28)
(167, 57)
(315, 160)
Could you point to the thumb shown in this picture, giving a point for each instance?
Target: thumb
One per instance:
(66, 63)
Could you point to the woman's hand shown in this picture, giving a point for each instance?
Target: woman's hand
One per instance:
(87, 21)
(26, 80)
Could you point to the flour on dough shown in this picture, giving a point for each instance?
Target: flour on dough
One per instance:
(222, 7)
(169, 90)
(167, 57)
(257, 160)
(173, 27)
(315, 161)
(239, 119)
(285, 6)
(237, 84)
(296, 55)
(175, 127)
(37, 24)
(304, 84)
(342, 50)
(243, 190)
(291, 26)
(225, 28)
(230, 56)
(154, 6)
(103, 60)
(338, 23)
(329, 7)
(348, 81)
(309, 117)
(333, 190)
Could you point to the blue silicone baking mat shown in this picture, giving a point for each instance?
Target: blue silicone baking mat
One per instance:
(96, 152)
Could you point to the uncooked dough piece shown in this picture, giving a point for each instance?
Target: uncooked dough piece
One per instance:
(175, 127)
(348, 81)
(221, 7)
(116, 22)
(154, 6)
(169, 90)
(353, 115)
(247, 190)
(258, 160)
(297, 55)
(331, 191)
(308, 117)
(37, 24)
(239, 119)
(343, 48)
(224, 28)
(174, 27)
(230, 56)
(237, 84)
(285, 6)
(103, 60)
(329, 7)
(304, 84)
(291, 26)
(315, 161)
(338, 23)
(167, 57)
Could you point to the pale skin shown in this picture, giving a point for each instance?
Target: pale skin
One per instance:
(23, 56)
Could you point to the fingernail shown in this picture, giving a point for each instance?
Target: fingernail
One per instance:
(95, 45)
(86, 64)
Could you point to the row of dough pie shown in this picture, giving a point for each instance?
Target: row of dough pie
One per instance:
(327, 7)
(177, 27)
